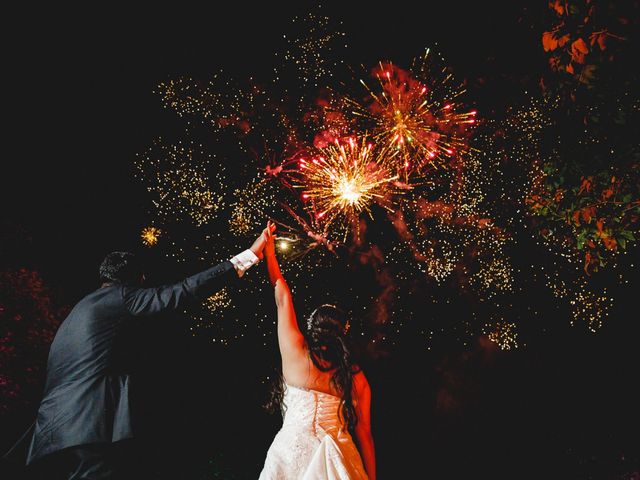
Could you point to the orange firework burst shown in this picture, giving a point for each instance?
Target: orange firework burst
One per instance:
(343, 179)
(150, 236)
(416, 113)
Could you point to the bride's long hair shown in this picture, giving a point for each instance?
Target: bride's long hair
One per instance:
(326, 336)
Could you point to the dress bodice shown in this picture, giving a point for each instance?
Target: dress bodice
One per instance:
(313, 443)
(311, 409)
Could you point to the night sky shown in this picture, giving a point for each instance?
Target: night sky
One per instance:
(82, 105)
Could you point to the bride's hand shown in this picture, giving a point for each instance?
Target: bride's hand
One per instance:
(270, 247)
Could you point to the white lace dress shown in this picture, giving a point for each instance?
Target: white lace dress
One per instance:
(312, 444)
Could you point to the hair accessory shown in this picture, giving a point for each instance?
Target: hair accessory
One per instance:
(346, 327)
(310, 319)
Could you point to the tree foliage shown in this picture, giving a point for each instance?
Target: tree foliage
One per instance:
(585, 194)
(28, 322)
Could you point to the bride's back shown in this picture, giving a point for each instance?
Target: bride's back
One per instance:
(304, 374)
(317, 360)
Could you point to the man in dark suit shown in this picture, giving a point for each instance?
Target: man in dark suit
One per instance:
(85, 422)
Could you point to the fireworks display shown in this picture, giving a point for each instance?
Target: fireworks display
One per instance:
(250, 206)
(345, 178)
(178, 180)
(150, 236)
(389, 175)
(416, 112)
(504, 334)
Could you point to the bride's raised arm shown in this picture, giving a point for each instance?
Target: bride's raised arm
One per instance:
(290, 339)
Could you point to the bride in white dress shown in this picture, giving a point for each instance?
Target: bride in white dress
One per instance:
(325, 399)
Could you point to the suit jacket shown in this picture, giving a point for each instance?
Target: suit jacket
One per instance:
(88, 385)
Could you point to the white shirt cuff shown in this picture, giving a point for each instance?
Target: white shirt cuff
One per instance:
(243, 261)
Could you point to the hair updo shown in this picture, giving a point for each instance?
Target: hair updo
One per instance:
(326, 335)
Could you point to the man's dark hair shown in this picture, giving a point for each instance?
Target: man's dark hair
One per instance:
(121, 267)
